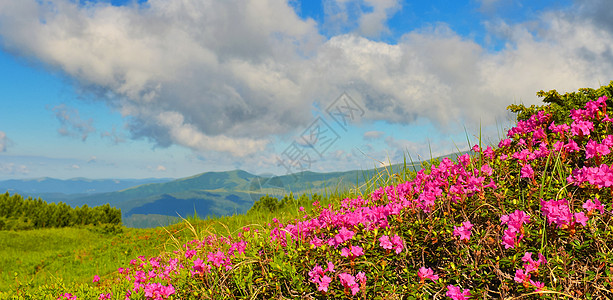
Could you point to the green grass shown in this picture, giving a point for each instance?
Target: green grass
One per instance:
(72, 256)
(36, 257)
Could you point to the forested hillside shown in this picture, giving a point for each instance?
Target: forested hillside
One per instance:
(18, 213)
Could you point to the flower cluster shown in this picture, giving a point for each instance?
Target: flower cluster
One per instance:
(426, 273)
(349, 281)
(395, 243)
(515, 231)
(463, 231)
(559, 213)
(531, 267)
(456, 293)
(318, 276)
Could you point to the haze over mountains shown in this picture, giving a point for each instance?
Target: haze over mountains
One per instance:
(158, 201)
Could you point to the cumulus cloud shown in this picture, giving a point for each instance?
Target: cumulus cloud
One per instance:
(373, 135)
(71, 122)
(225, 76)
(367, 18)
(114, 136)
(12, 169)
(4, 141)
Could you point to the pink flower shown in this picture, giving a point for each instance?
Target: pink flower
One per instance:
(190, 253)
(527, 172)
(426, 273)
(521, 276)
(385, 242)
(463, 231)
(456, 293)
(581, 218)
(343, 235)
(319, 277)
(581, 128)
(348, 281)
(515, 222)
(486, 169)
(571, 146)
(593, 205)
(504, 143)
(330, 267)
(96, 278)
(356, 251)
(324, 283)
(361, 277)
(105, 296)
(68, 296)
(398, 243)
(559, 213)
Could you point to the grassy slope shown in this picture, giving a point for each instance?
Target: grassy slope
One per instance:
(29, 259)
(36, 257)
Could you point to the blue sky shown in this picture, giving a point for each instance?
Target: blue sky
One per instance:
(136, 89)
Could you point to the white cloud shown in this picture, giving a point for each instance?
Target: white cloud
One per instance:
(71, 122)
(160, 168)
(12, 169)
(225, 76)
(373, 135)
(4, 141)
(364, 17)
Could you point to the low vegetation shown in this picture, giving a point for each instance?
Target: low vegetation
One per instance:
(530, 217)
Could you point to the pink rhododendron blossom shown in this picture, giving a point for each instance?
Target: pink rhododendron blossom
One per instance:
(361, 277)
(593, 205)
(581, 128)
(581, 218)
(463, 231)
(486, 169)
(348, 281)
(456, 293)
(538, 285)
(68, 296)
(558, 212)
(524, 275)
(319, 277)
(515, 222)
(105, 296)
(426, 273)
(398, 243)
(571, 146)
(343, 235)
(385, 242)
(504, 143)
(527, 171)
(158, 291)
(489, 152)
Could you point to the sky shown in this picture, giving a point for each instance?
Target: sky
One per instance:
(174, 88)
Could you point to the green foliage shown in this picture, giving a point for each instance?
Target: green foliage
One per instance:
(17, 213)
(560, 106)
(268, 204)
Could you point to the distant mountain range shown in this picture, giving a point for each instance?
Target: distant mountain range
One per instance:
(154, 202)
(74, 185)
